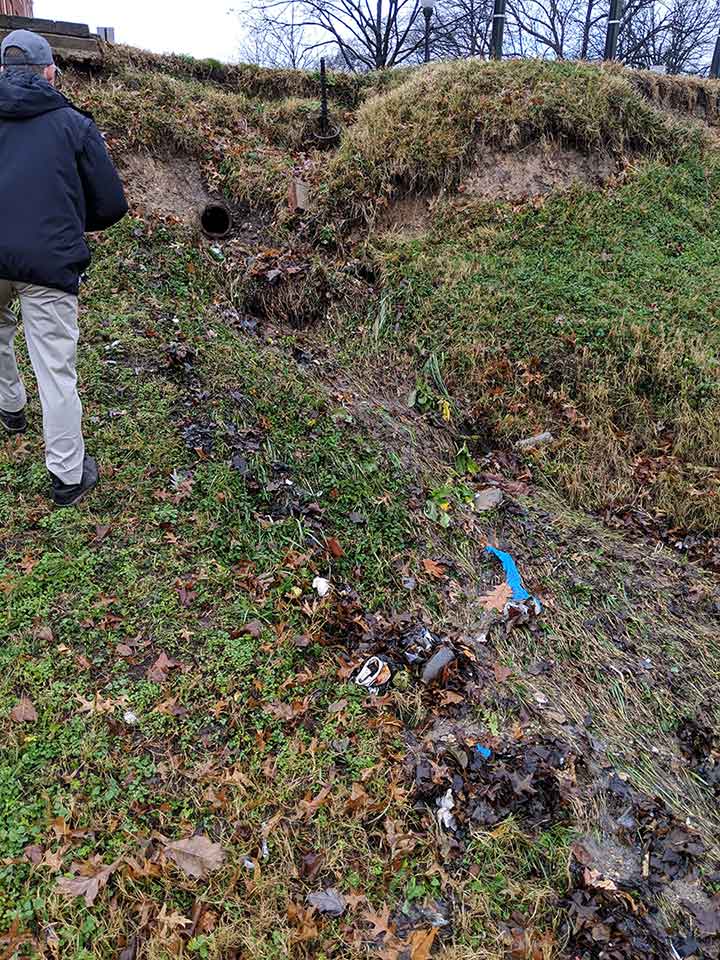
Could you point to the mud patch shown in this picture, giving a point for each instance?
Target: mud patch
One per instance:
(172, 187)
(535, 171)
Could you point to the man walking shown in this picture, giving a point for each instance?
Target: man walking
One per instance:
(56, 182)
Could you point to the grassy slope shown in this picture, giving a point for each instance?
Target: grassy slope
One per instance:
(217, 536)
(116, 784)
(593, 314)
(178, 550)
(594, 317)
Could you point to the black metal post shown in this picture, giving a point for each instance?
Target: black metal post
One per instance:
(427, 13)
(498, 28)
(715, 65)
(613, 28)
(323, 99)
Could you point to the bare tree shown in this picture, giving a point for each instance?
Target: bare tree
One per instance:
(676, 33)
(366, 36)
(462, 28)
(277, 41)
(547, 25)
(591, 20)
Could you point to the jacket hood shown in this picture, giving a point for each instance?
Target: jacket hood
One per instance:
(23, 96)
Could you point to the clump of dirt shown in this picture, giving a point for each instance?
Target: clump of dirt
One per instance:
(535, 171)
(697, 736)
(610, 924)
(612, 914)
(287, 287)
(171, 187)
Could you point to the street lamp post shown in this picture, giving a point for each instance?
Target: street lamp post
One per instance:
(427, 8)
(613, 28)
(715, 65)
(498, 28)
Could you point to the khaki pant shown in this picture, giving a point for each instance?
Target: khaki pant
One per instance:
(51, 333)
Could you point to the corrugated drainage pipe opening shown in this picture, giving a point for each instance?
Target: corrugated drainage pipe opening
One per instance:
(215, 219)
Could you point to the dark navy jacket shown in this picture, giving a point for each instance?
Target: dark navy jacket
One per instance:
(56, 182)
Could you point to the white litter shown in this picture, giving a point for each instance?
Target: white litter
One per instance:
(321, 585)
(445, 807)
(374, 674)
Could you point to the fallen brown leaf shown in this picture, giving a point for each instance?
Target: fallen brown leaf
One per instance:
(24, 711)
(282, 711)
(33, 853)
(595, 880)
(54, 859)
(354, 900)
(287, 711)
(303, 923)
(501, 673)
(98, 704)
(436, 570)
(171, 708)
(310, 865)
(380, 922)
(358, 799)
(208, 921)
(497, 598)
(93, 875)
(421, 943)
(449, 697)
(335, 549)
(307, 808)
(28, 562)
(196, 856)
(158, 672)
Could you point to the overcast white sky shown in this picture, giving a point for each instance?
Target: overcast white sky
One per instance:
(203, 28)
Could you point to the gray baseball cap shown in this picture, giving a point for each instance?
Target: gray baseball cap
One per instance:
(37, 51)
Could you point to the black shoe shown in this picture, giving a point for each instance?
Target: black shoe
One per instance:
(68, 494)
(14, 422)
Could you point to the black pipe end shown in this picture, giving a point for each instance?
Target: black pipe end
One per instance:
(216, 220)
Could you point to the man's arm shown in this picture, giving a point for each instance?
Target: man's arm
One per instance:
(104, 195)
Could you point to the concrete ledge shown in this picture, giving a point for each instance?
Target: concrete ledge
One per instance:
(44, 26)
(70, 41)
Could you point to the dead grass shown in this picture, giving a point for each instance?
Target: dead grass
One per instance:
(695, 96)
(263, 83)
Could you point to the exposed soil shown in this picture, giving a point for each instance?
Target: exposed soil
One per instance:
(411, 215)
(534, 171)
(524, 174)
(172, 187)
